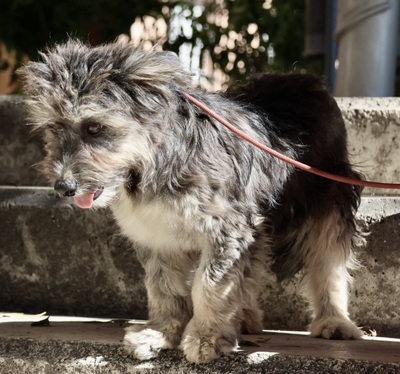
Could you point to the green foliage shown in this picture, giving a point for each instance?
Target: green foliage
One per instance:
(277, 43)
(276, 26)
(30, 25)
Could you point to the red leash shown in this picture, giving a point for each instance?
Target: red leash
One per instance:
(286, 159)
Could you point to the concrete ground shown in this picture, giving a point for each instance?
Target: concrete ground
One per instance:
(67, 346)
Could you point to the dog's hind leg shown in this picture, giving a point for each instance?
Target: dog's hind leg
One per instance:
(328, 243)
(169, 304)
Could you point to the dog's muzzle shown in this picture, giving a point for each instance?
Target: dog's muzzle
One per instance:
(66, 187)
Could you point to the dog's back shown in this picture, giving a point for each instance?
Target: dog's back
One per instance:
(299, 109)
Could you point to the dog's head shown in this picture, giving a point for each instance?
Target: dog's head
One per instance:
(101, 111)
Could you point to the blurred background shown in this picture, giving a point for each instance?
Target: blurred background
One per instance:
(352, 43)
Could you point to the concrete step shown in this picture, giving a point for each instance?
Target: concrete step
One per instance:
(60, 259)
(19, 148)
(373, 126)
(373, 129)
(65, 346)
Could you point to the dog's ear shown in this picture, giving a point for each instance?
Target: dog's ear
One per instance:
(169, 56)
(155, 66)
(35, 75)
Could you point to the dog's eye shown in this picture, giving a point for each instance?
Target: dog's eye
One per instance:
(93, 128)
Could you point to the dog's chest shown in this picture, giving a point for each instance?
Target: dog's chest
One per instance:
(158, 226)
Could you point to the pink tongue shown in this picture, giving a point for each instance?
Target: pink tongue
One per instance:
(84, 201)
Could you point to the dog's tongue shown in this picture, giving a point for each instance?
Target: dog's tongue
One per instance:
(84, 201)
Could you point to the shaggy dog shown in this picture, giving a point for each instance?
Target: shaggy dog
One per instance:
(205, 211)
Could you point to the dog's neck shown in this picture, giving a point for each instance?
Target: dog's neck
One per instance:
(132, 184)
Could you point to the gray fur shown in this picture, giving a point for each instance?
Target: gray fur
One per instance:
(206, 211)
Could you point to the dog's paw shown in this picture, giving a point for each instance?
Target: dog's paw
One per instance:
(335, 328)
(145, 343)
(200, 348)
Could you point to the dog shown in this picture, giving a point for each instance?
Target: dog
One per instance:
(206, 211)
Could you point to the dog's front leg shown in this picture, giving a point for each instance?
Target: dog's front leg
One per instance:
(169, 304)
(217, 305)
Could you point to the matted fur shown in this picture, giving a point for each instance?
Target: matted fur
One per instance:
(204, 209)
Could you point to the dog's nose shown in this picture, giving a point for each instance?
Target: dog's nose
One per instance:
(67, 187)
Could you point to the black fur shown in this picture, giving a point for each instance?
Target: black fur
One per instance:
(299, 109)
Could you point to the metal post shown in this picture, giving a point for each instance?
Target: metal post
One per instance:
(367, 33)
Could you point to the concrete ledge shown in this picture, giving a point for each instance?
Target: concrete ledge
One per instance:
(96, 348)
(373, 126)
(374, 209)
(20, 150)
(57, 258)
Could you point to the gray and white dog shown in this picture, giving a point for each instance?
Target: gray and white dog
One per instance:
(205, 210)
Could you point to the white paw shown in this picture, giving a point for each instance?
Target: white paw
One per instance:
(202, 348)
(335, 328)
(144, 343)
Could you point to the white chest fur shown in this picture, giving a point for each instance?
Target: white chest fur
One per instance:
(159, 226)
